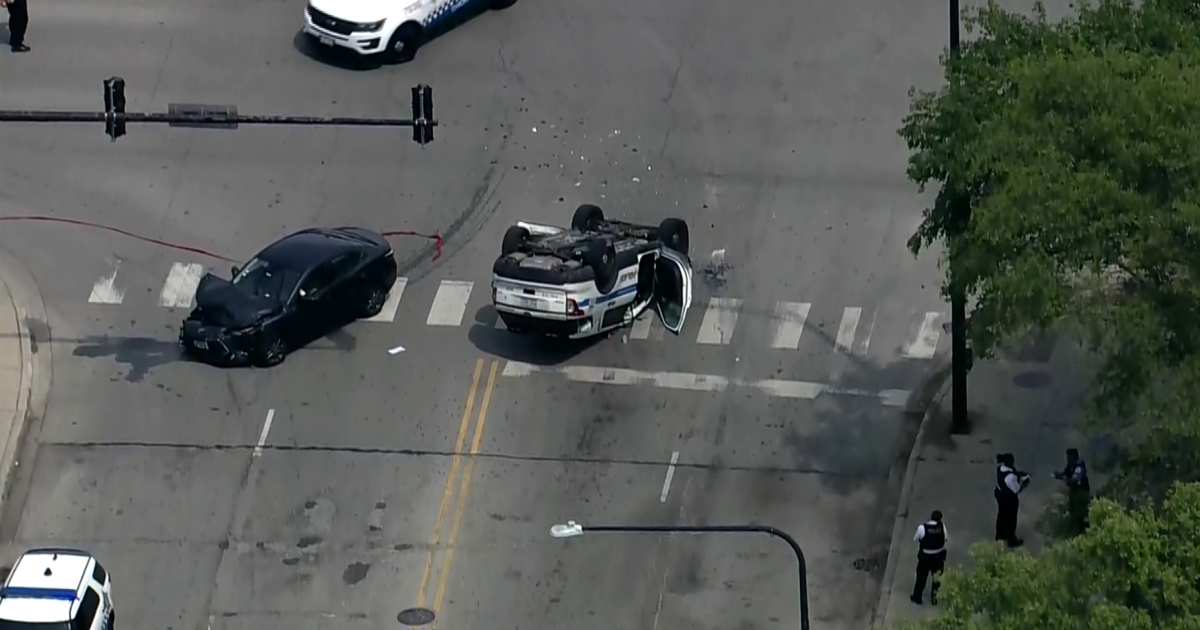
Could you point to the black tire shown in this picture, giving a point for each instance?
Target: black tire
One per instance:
(500, 5)
(601, 256)
(587, 217)
(373, 300)
(513, 238)
(112, 620)
(674, 234)
(270, 349)
(403, 44)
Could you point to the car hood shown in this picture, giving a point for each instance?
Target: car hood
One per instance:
(359, 10)
(219, 303)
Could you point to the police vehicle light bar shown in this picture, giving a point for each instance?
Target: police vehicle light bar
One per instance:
(25, 592)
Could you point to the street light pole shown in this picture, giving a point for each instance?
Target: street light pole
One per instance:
(572, 529)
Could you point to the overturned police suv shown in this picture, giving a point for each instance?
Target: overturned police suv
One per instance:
(598, 275)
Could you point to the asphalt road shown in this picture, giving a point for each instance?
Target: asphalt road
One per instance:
(430, 478)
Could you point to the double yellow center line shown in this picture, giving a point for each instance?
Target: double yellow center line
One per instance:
(464, 486)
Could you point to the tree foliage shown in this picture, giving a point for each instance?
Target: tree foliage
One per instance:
(1133, 570)
(1076, 147)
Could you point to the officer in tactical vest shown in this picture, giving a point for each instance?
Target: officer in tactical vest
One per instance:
(931, 556)
(1009, 484)
(1079, 490)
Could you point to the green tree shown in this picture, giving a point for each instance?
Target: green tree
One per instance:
(1076, 146)
(1133, 570)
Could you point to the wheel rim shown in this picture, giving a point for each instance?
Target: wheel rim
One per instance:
(275, 352)
(375, 302)
(399, 47)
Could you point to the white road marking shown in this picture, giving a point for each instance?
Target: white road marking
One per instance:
(450, 303)
(925, 343)
(393, 302)
(863, 345)
(662, 498)
(181, 284)
(262, 437)
(396, 350)
(844, 342)
(641, 326)
(701, 382)
(790, 318)
(720, 318)
(105, 290)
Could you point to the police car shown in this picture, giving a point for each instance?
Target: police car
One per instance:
(57, 589)
(598, 275)
(393, 29)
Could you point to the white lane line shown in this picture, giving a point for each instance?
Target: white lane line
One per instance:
(790, 318)
(662, 498)
(105, 290)
(393, 302)
(180, 287)
(861, 348)
(450, 303)
(844, 342)
(641, 326)
(925, 343)
(720, 318)
(689, 381)
(262, 437)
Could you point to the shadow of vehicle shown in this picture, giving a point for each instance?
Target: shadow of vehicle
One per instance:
(344, 59)
(494, 339)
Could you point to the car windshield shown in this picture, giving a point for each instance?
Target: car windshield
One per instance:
(264, 280)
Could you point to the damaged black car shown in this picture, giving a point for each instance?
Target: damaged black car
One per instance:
(299, 288)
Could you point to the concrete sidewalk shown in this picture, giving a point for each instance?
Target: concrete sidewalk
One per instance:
(23, 365)
(1028, 404)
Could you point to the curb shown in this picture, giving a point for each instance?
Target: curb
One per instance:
(910, 470)
(32, 393)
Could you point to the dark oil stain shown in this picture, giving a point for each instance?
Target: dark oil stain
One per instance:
(291, 562)
(404, 547)
(355, 573)
(308, 541)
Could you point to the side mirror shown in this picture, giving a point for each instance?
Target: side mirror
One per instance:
(235, 271)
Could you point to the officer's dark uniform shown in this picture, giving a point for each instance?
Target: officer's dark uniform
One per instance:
(1079, 490)
(931, 556)
(1009, 483)
(18, 23)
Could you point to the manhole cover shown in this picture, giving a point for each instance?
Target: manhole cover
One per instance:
(415, 617)
(1031, 380)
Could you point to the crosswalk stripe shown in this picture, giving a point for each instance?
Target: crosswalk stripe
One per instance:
(180, 287)
(925, 343)
(393, 302)
(105, 291)
(790, 318)
(641, 326)
(720, 318)
(844, 343)
(450, 303)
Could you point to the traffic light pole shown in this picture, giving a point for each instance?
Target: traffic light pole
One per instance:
(960, 353)
(198, 116)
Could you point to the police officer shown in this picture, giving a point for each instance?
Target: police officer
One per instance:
(1009, 484)
(18, 22)
(1079, 490)
(931, 556)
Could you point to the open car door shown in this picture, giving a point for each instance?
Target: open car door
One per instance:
(672, 288)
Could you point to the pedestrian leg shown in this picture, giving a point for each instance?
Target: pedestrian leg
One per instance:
(922, 575)
(937, 566)
(1000, 518)
(18, 23)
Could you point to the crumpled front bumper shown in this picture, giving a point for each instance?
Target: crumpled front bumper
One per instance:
(212, 344)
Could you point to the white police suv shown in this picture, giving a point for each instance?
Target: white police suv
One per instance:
(393, 29)
(597, 276)
(57, 589)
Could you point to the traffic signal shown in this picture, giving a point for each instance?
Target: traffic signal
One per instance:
(422, 113)
(114, 107)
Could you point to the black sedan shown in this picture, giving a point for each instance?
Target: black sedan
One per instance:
(297, 289)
